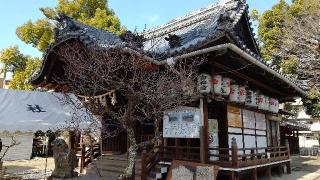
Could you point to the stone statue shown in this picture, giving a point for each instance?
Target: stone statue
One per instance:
(65, 160)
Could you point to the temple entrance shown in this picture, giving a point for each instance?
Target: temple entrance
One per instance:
(118, 143)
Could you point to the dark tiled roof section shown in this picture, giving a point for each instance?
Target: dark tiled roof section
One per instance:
(195, 29)
(89, 36)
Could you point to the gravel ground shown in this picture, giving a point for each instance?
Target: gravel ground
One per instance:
(303, 168)
(28, 169)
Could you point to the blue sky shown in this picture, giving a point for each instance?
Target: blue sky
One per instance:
(132, 13)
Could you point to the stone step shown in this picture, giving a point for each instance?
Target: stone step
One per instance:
(115, 169)
(111, 166)
(119, 158)
(106, 163)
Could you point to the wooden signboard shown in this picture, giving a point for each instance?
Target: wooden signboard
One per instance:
(184, 170)
(183, 122)
(234, 116)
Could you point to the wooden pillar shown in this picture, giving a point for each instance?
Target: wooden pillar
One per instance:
(279, 170)
(177, 144)
(288, 166)
(143, 165)
(268, 173)
(202, 146)
(234, 153)
(82, 158)
(204, 136)
(71, 140)
(254, 174)
(164, 146)
(234, 175)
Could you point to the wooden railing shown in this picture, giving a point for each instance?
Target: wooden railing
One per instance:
(144, 137)
(167, 153)
(148, 161)
(115, 144)
(226, 157)
(88, 153)
(241, 157)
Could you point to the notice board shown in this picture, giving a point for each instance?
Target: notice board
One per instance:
(234, 116)
(184, 122)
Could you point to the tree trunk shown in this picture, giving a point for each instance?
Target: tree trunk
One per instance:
(133, 147)
(132, 153)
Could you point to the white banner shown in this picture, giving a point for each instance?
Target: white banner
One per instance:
(184, 122)
(34, 110)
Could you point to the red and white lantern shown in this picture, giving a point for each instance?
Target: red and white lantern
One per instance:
(266, 103)
(217, 82)
(261, 102)
(242, 94)
(274, 105)
(276, 110)
(225, 86)
(204, 83)
(251, 98)
(234, 93)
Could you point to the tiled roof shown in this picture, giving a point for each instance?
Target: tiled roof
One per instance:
(88, 35)
(194, 30)
(200, 27)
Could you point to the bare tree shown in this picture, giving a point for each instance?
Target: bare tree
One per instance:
(301, 41)
(6, 148)
(141, 90)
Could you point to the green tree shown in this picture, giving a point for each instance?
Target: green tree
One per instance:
(91, 12)
(19, 79)
(289, 35)
(12, 59)
(271, 24)
(20, 65)
(40, 34)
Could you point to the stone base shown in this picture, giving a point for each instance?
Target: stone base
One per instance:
(53, 177)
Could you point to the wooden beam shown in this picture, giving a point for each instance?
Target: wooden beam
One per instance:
(247, 78)
(205, 129)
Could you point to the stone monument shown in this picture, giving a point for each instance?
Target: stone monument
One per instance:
(65, 160)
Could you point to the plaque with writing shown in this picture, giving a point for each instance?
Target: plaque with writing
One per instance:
(183, 122)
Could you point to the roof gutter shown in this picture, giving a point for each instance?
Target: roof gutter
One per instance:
(243, 54)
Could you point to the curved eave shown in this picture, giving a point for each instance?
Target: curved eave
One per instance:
(251, 58)
(48, 61)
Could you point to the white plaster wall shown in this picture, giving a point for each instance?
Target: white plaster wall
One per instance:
(303, 142)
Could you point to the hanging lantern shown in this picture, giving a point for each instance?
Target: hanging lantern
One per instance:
(242, 94)
(251, 98)
(266, 103)
(225, 86)
(272, 103)
(261, 101)
(234, 93)
(204, 83)
(276, 110)
(217, 81)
